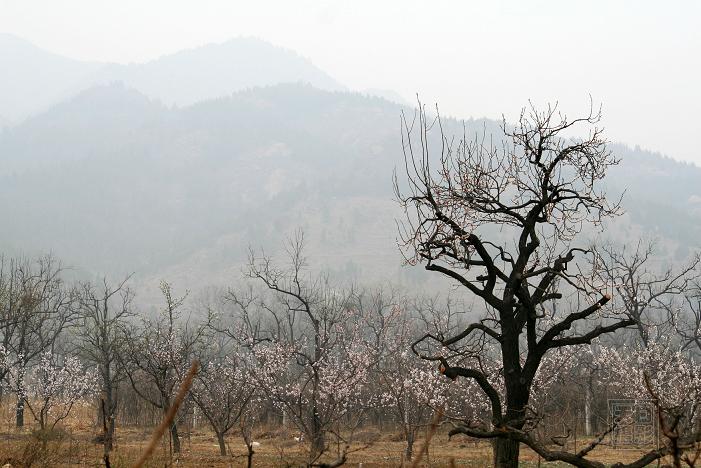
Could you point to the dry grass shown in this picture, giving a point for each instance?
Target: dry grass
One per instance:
(73, 447)
(200, 450)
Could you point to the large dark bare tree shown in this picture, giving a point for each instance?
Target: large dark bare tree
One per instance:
(501, 217)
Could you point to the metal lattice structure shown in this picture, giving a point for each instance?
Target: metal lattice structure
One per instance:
(636, 423)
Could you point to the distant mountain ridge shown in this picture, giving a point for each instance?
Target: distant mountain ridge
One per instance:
(113, 181)
(216, 70)
(33, 79)
(110, 175)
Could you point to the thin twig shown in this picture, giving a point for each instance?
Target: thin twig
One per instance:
(170, 415)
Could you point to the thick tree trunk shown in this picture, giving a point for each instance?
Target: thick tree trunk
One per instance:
(222, 444)
(506, 453)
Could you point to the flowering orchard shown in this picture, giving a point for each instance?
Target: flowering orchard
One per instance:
(321, 363)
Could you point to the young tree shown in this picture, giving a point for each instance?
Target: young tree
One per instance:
(104, 311)
(502, 221)
(408, 389)
(36, 308)
(159, 355)
(311, 356)
(658, 370)
(223, 390)
(58, 383)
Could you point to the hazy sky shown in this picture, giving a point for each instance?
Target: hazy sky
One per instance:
(640, 59)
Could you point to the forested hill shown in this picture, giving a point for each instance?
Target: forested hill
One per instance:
(112, 181)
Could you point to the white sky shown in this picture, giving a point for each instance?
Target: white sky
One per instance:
(640, 59)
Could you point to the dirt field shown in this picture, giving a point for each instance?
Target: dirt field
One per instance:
(200, 450)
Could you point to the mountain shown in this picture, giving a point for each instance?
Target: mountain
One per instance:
(388, 94)
(33, 79)
(216, 70)
(79, 128)
(113, 181)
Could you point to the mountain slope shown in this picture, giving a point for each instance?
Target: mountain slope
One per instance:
(114, 182)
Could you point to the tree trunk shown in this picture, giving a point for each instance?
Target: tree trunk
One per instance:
(506, 453)
(19, 413)
(222, 444)
(318, 442)
(250, 456)
(587, 411)
(175, 437)
(409, 452)
(109, 441)
(110, 408)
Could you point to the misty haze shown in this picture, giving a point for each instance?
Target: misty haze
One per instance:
(318, 235)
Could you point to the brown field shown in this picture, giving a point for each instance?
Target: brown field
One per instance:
(72, 445)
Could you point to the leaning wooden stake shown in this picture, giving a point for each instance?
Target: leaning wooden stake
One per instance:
(170, 415)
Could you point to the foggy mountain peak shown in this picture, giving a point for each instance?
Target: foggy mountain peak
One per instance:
(34, 79)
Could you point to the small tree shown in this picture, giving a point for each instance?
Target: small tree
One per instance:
(311, 355)
(58, 386)
(104, 311)
(159, 355)
(223, 390)
(35, 309)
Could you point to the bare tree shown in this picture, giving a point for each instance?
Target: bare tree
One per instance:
(689, 325)
(36, 308)
(104, 311)
(502, 219)
(653, 297)
(312, 357)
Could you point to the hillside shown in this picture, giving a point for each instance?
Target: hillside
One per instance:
(113, 181)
